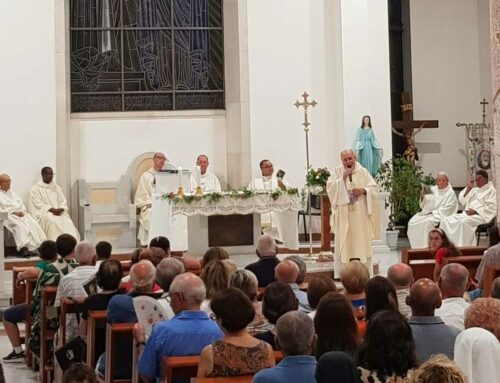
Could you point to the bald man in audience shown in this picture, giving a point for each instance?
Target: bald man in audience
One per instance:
(27, 233)
(432, 336)
(401, 277)
(185, 334)
(453, 283)
(287, 272)
(71, 285)
(142, 198)
(263, 269)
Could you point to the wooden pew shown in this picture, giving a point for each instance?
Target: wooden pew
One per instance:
(28, 320)
(471, 262)
(232, 379)
(118, 335)
(489, 274)
(18, 290)
(68, 307)
(177, 367)
(96, 321)
(422, 260)
(46, 364)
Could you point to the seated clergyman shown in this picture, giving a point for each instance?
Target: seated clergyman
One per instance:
(480, 208)
(28, 235)
(48, 206)
(437, 202)
(205, 179)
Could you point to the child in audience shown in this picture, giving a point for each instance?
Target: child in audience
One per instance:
(103, 251)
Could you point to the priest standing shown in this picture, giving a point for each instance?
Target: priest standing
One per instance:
(28, 235)
(49, 207)
(142, 198)
(353, 196)
(440, 202)
(480, 208)
(208, 181)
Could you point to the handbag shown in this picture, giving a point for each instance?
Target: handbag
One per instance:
(73, 351)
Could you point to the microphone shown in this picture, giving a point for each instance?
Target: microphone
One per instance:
(350, 175)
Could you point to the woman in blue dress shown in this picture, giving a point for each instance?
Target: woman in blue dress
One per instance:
(367, 149)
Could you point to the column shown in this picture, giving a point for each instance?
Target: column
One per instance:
(495, 76)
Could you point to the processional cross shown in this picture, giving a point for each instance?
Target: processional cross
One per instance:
(408, 128)
(306, 104)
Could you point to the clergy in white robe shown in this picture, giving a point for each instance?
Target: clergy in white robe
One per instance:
(48, 206)
(28, 235)
(439, 203)
(270, 222)
(480, 207)
(353, 197)
(142, 198)
(204, 178)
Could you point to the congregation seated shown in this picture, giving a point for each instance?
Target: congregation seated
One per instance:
(27, 233)
(438, 369)
(336, 366)
(103, 251)
(296, 337)
(71, 285)
(387, 353)
(477, 352)
(400, 275)
(380, 295)
(431, 334)
(277, 300)
(48, 206)
(438, 202)
(480, 207)
(484, 313)
(187, 333)
(453, 283)
(16, 314)
(287, 272)
(354, 277)
(335, 324)
(317, 288)
(51, 276)
(163, 243)
(153, 255)
(263, 269)
(246, 281)
(297, 259)
(215, 276)
(441, 247)
(237, 353)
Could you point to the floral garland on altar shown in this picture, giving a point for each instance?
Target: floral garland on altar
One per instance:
(214, 197)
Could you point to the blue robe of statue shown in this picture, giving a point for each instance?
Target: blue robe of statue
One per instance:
(367, 149)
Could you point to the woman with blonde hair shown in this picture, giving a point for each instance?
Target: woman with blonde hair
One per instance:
(438, 369)
(215, 275)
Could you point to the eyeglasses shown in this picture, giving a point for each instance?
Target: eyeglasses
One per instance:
(267, 166)
(160, 158)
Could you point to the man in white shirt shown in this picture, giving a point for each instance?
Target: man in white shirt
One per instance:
(453, 284)
(71, 285)
(49, 207)
(401, 277)
(27, 233)
(204, 178)
(440, 202)
(480, 207)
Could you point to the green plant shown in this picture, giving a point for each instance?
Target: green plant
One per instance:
(317, 177)
(403, 181)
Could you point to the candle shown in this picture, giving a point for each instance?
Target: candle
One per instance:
(179, 171)
(198, 176)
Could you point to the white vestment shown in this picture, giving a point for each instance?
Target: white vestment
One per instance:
(142, 201)
(208, 182)
(354, 220)
(435, 206)
(270, 222)
(26, 232)
(461, 228)
(47, 196)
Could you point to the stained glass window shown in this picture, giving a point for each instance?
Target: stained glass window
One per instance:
(131, 55)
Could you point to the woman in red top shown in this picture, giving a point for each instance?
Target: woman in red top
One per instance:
(441, 246)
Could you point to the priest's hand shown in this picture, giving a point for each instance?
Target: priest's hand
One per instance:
(53, 210)
(358, 192)
(281, 185)
(18, 214)
(347, 173)
(470, 212)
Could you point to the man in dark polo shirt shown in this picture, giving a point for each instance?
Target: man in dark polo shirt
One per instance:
(264, 268)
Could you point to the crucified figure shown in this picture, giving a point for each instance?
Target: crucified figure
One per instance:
(411, 152)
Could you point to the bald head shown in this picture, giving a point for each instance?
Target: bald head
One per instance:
(424, 297)
(286, 271)
(400, 275)
(85, 253)
(142, 276)
(266, 246)
(158, 161)
(4, 182)
(453, 280)
(187, 291)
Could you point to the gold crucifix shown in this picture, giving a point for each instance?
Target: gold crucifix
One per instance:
(306, 104)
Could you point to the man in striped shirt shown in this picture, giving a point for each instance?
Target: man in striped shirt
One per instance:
(71, 285)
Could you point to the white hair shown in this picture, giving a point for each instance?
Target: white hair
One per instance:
(295, 332)
(85, 253)
(442, 173)
(142, 274)
(167, 270)
(190, 286)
